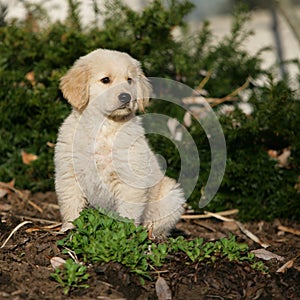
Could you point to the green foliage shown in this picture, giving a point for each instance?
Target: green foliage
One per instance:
(253, 181)
(32, 109)
(102, 236)
(197, 250)
(71, 276)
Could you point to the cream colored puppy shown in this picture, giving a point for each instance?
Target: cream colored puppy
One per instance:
(102, 157)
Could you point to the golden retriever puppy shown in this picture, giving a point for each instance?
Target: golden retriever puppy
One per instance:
(102, 157)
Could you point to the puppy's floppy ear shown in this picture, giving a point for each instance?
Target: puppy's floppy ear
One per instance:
(75, 85)
(143, 92)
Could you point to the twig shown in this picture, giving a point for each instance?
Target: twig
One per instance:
(219, 217)
(14, 230)
(230, 96)
(289, 230)
(204, 81)
(9, 187)
(73, 255)
(35, 206)
(248, 233)
(252, 236)
(159, 272)
(52, 205)
(31, 218)
(209, 215)
(48, 228)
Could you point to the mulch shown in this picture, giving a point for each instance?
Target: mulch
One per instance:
(25, 266)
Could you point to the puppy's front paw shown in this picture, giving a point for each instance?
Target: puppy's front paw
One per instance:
(65, 227)
(150, 232)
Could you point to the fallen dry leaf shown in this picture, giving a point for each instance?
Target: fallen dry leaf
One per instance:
(50, 145)
(266, 255)
(5, 188)
(281, 156)
(5, 207)
(57, 262)
(287, 265)
(272, 153)
(30, 77)
(163, 291)
(28, 158)
(3, 192)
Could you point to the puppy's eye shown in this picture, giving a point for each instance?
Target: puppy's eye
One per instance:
(105, 80)
(129, 80)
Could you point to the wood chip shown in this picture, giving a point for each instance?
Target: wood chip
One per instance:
(266, 255)
(163, 291)
(57, 262)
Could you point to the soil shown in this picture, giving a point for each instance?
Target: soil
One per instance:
(25, 266)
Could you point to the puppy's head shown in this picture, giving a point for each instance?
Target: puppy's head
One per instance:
(113, 76)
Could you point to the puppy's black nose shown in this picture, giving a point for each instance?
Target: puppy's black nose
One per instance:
(124, 97)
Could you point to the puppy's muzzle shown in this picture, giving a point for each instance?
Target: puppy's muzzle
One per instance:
(124, 98)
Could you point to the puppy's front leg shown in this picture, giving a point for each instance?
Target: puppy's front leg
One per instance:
(164, 208)
(71, 198)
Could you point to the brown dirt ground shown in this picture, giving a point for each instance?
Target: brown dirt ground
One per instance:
(25, 260)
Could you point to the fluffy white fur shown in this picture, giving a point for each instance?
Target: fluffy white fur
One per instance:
(102, 158)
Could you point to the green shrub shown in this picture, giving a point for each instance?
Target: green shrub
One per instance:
(32, 109)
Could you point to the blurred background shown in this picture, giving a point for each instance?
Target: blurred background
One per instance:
(243, 57)
(275, 23)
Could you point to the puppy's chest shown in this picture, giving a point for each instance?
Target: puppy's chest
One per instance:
(122, 154)
(103, 149)
(111, 150)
